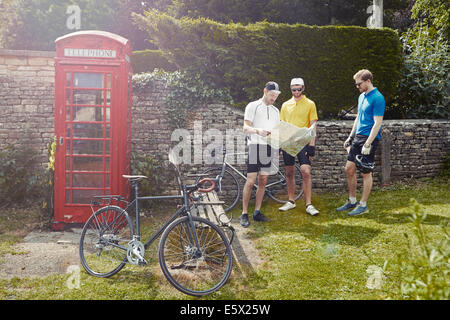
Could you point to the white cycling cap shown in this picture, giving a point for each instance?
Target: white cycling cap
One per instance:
(297, 82)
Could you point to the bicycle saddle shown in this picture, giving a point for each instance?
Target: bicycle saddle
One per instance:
(134, 178)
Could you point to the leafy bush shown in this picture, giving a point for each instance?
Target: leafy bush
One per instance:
(149, 60)
(425, 267)
(19, 181)
(159, 177)
(425, 83)
(243, 58)
(47, 182)
(445, 171)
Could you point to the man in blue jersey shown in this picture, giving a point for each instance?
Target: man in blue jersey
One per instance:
(363, 141)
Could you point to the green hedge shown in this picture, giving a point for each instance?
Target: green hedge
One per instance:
(243, 58)
(149, 60)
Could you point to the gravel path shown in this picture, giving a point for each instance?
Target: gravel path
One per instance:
(46, 253)
(42, 254)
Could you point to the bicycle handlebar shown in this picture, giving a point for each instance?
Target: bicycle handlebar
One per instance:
(206, 180)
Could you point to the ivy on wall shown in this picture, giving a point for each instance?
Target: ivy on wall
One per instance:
(186, 92)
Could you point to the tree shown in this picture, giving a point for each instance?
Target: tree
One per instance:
(318, 12)
(424, 85)
(397, 14)
(433, 13)
(35, 24)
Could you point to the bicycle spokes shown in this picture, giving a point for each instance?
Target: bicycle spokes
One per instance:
(191, 267)
(104, 241)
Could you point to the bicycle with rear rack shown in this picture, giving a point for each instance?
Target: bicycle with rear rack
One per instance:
(194, 254)
(228, 189)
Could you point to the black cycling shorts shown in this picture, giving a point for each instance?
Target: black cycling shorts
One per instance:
(357, 145)
(302, 157)
(260, 157)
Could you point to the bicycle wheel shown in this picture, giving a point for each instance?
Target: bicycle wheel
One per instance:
(276, 185)
(192, 271)
(104, 241)
(230, 189)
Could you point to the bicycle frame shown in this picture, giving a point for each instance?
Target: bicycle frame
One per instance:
(226, 164)
(184, 208)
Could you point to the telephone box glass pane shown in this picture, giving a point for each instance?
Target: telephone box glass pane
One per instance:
(88, 80)
(83, 180)
(87, 164)
(85, 196)
(87, 147)
(87, 114)
(89, 97)
(68, 96)
(68, 79)
(108, 98)
(108, 81)
(88, 130)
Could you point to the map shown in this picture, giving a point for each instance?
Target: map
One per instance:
(290, 138)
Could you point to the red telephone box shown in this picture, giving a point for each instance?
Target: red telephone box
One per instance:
(93, 94)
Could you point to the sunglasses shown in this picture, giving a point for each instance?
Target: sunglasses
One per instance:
(297, 89)
(359, 83)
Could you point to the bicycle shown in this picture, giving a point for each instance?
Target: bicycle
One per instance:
(228, 188)
(194, 254)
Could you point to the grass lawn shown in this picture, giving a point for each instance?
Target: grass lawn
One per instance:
(329, 256)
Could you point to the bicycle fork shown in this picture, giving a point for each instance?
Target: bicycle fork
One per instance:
(192, 235)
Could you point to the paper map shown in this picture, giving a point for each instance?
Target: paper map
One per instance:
(290, 138)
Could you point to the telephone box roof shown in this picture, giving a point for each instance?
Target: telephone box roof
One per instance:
(105, 34)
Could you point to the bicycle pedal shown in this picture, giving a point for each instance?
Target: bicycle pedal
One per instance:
(142, 262)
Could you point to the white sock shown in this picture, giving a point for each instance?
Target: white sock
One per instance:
(352, 200)
(363, 204)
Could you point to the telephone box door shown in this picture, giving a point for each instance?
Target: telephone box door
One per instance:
(86, 128)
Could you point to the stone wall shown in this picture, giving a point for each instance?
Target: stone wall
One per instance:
(409, 148)
(26, 98)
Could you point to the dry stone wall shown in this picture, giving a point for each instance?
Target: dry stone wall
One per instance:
(26, 98)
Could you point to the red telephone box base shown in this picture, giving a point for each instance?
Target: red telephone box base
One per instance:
(58, 226)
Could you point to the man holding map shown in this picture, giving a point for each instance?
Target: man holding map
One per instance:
(302, 113)
(260, 117)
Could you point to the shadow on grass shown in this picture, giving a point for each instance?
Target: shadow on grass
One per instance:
(356, 236)
(391, 205)
(397, 218)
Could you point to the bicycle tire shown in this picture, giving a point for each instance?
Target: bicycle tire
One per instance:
(104, 230)
(278, 191)
(230, 191)
(195, 276)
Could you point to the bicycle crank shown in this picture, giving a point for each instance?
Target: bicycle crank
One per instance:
(135, 253)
